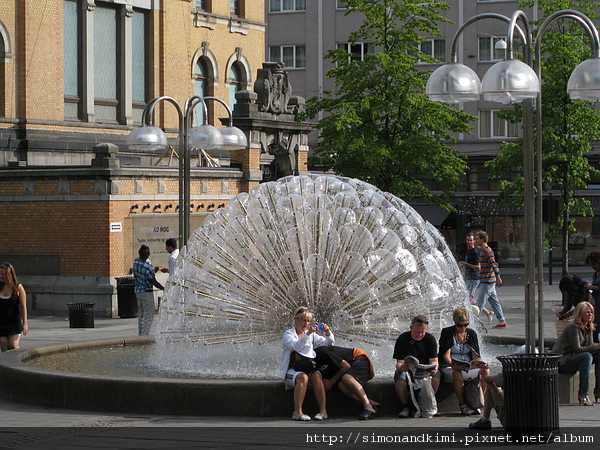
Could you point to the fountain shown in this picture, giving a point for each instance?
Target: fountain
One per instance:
(362, 260)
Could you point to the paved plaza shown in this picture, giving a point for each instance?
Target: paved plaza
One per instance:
(28, 426)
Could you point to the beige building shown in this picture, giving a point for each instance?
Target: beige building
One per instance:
(77, 74)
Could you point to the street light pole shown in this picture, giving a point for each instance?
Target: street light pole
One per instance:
(588, 25)
(205, 136)
(511, 81)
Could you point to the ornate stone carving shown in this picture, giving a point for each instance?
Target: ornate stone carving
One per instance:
(273, 88)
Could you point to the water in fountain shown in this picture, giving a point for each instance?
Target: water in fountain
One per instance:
(362, 260)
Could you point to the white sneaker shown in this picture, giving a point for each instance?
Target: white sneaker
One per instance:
(321, 416)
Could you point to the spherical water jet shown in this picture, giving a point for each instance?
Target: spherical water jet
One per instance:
(362, 260)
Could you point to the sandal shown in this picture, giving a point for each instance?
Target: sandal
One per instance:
(584, 401)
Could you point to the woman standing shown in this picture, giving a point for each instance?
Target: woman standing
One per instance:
(592, 260)
(459, 343)
(13, 308)
(296, 369)
(579, 351)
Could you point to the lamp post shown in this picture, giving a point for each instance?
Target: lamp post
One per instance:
(513, 81)
(205, 136)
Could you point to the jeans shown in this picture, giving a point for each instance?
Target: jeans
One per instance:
(471, 287)
(487, 291)
(582, 363)
(145, 312)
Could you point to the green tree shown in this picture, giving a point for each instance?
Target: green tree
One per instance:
(379, 125)
(568, 126)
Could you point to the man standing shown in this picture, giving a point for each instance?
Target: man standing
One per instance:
(423, 346)
(171, 247)
(489, 278)
(471, 266)
(144, 282)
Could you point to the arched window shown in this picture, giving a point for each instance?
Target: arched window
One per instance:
(5, 57)
(235, 82)
(201, 87)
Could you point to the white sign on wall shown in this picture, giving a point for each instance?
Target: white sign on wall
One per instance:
(116, 227)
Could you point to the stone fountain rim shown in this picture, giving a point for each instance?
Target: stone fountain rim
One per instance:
(25, 383)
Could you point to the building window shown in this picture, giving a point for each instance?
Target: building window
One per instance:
(341, 4)
(492, 126)
(201, 88)
(204, 5)
(287, 5)
(488, 50)
(235, 83)
(105, 64)
(292, 56)
(436, 48)
(236, 8)
(109, 98)
(71, 49)
(138, 64)
(358, 50)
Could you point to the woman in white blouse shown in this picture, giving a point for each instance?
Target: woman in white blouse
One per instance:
(297, 352)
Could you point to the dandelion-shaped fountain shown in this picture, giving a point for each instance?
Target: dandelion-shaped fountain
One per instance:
(362, 260)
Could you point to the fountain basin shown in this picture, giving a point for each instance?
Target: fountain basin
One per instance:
(25, 383)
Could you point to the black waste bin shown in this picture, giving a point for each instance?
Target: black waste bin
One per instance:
(531, 396)
(81, 315)
(126, 299)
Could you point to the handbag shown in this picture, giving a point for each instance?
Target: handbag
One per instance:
(306, 365)
(473, 394)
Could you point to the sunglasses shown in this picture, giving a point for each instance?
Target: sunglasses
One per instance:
(424, 322)
(462, 325)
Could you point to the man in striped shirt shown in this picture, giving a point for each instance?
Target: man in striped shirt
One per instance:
(489, 278)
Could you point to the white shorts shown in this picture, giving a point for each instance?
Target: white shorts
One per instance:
(467, 374)
(290, 379)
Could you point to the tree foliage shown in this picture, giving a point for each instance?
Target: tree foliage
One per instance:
(568, 126)
(379, 125)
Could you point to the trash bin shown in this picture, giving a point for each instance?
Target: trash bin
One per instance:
(81, 315)
(530, 395)
(126, 299)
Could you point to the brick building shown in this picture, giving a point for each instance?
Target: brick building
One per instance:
(77, 74)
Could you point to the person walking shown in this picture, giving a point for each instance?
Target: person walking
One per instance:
(489, 278)
(145, 280)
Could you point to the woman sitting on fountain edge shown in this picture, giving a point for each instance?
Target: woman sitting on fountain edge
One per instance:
(579, 352)
(460, 343)
(297, 349)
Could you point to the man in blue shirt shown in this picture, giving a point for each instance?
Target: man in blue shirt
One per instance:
(145, 281)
